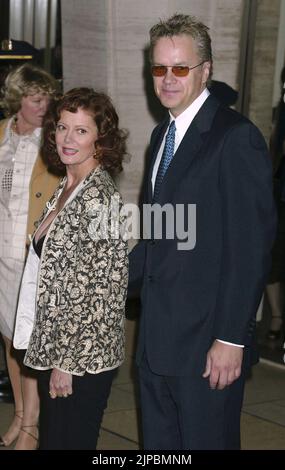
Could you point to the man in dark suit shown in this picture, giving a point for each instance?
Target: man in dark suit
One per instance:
(200, 290)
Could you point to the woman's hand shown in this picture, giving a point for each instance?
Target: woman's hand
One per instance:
(60, 384)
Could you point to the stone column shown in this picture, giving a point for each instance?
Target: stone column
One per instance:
(263, 68)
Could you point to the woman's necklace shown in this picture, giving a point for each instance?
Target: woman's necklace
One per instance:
(14, 130)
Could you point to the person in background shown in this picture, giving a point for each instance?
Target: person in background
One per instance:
(76, 274)
(26, 185)
(202, 286)
(275, 286)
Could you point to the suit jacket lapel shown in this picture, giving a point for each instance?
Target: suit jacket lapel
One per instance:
(153, 151)
(188, 148)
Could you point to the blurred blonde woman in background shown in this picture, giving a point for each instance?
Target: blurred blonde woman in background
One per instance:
(26, 185)
(71, 311)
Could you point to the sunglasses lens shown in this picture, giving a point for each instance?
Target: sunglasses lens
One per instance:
(177, 70)
(180, 70)
(158, 70)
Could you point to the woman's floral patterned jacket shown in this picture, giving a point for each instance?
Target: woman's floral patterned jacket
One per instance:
(80, 295)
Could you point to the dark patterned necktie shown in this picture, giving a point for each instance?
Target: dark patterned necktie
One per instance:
(166, 158)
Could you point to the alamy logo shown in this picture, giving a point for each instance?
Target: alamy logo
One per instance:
(170, 222)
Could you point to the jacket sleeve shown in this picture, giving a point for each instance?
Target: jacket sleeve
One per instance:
(138, 253)
(136, 269)
(249, 222)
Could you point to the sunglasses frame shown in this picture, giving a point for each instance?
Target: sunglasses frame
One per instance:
(175, 67)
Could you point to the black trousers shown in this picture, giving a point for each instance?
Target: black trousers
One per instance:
(73, 422)
(184, 413)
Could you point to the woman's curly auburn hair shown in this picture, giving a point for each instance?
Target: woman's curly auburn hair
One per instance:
(111, 143)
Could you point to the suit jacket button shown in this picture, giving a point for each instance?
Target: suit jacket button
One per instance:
(38, 194)
(150, 278)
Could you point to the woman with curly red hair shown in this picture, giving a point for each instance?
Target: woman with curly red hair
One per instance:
(70, 316)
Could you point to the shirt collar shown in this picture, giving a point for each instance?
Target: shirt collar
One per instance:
(183, 121)
(34, 137)
(7, 131)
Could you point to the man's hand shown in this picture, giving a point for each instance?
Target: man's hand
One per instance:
(223, 364)
(60, 384)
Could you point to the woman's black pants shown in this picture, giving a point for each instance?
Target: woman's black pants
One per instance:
(73, 422)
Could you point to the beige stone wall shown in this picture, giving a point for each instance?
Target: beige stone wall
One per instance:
(103, 47)
(260, 108)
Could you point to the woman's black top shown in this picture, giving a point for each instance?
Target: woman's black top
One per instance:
(38, 246)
